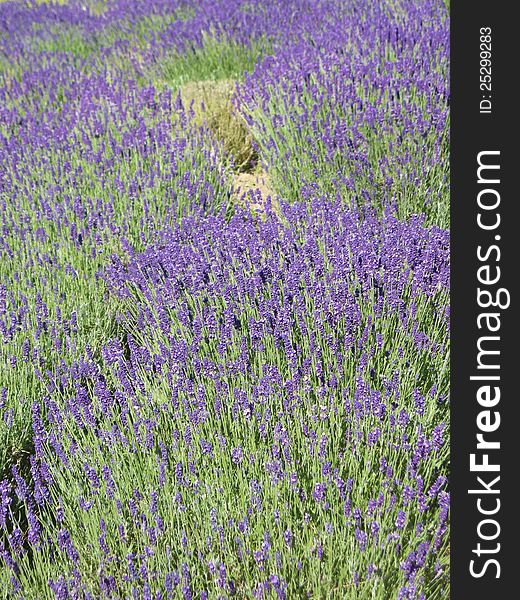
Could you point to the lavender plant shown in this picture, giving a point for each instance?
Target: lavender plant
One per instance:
(362, 112)
(197, 400)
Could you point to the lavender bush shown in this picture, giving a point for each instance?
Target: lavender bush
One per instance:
(197, 399)
(358, 107)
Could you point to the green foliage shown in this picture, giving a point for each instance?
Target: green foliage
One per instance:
(216, 59)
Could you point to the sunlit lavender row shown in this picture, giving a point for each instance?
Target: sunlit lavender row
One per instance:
(224, 299)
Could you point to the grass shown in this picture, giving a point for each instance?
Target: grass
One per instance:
(215, 59)
(210, 105)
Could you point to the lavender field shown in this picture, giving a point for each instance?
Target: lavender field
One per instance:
(224, 299)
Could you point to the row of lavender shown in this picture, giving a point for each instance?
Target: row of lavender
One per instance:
(197, 402)
(359, 109)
